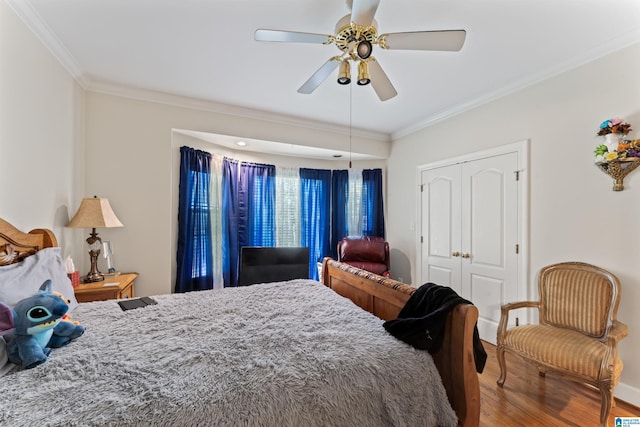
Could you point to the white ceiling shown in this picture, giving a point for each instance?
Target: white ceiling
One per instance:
(204, 49)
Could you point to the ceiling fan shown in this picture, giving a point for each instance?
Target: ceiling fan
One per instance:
(355, 35)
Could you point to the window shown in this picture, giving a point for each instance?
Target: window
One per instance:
(233, 204)
(287, 207)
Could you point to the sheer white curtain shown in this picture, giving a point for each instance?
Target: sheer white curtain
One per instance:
(216, 219)
(354, 203)
(287, 206)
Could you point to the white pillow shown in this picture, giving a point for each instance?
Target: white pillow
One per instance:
(21, 280)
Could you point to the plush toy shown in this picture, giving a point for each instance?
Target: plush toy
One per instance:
(66, 330)
(28, 326)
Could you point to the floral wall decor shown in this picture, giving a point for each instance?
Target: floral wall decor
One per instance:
(614, 147)
(617, 156)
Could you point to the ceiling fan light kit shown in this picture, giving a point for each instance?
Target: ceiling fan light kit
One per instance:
(363, 74)
(344, 75)
(363, 49)
(355, 35)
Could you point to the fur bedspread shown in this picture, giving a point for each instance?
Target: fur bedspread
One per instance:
(285, 354)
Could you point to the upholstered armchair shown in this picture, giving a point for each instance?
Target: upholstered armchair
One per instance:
(577, 335)
(365, 252)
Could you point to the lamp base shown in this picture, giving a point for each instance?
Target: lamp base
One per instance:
(94, 274)
(93, 277)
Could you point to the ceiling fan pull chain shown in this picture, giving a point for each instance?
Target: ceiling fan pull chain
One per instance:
(350, 120)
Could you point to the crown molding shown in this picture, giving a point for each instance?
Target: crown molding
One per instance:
(111, 88)
(614, 45)
(25, 11)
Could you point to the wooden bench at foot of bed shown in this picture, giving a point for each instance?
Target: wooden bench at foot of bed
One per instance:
(385, 298)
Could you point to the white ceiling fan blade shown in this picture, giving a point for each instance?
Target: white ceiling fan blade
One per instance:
(380, 82)
(363, 11)
(290, 36)
(449, 40)
(319, 76)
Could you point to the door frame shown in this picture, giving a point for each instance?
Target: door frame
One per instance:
(521, 148)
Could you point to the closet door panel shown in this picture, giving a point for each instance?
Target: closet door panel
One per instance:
(440, 205)
(489, 237)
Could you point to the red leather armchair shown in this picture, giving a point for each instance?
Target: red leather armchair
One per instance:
(365, 252)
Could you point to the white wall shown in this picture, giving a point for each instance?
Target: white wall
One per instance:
(574, 214)
(131, 153)
(41, 132)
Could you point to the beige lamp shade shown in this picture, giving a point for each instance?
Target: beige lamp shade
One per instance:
(94, 213)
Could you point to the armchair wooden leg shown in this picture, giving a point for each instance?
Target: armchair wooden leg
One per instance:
(606, 396)
(502, 364)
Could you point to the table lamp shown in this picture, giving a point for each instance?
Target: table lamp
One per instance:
(94, 213)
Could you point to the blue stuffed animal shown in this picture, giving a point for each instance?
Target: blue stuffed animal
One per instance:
(66, 330)
(30, 324)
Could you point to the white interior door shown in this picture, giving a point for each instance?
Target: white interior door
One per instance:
(471, 231)
(490, 237)
(441, 226)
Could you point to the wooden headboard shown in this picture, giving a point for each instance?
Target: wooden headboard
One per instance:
(16, 245)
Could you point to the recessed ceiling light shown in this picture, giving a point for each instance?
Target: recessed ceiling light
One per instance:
(241, 143)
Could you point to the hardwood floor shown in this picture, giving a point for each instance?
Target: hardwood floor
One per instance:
(530, 400)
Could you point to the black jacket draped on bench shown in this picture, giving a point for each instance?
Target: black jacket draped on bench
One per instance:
(421, 321)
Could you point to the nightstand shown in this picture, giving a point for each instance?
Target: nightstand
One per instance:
(118, 287)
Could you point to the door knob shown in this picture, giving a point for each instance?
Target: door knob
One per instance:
(465, 255)
(455, 253)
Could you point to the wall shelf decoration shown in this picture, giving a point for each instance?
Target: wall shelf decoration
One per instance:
(616, 156)
(618, 169)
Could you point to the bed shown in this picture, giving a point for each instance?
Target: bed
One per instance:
(276, 354)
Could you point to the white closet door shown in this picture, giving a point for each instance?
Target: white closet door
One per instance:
(489, 237)
(469, 233)
(441, 226)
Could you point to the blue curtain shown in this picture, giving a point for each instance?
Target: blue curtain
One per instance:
(230, 246)
(195, 250)
(248, 212)
(339, 219)
(315, 204)
(257, 205)
(372, 203)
